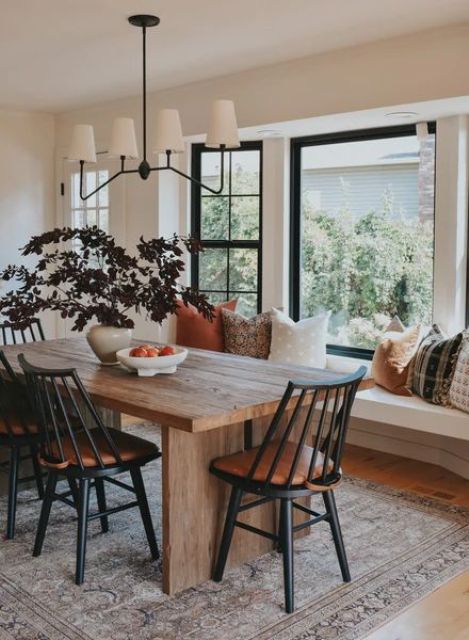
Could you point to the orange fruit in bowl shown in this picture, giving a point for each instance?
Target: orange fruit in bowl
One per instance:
(167, 351)
(138, 352)
(152, 352)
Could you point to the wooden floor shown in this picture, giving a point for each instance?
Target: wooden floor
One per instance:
(403, 473)
(444, 614)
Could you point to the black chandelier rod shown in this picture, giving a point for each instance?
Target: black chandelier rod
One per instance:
(144, 169)
(144, 101)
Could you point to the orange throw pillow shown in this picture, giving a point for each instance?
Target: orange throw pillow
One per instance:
(392, 358)
(193, 330)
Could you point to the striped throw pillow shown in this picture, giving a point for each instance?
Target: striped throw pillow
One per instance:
(434, 366)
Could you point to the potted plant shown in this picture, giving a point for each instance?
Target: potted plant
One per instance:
(84, 275)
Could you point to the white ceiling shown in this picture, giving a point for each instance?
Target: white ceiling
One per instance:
(57, 55)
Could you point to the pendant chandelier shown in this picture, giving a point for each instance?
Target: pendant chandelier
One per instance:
(222, 133)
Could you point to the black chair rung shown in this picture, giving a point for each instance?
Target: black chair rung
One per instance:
(30, 478)
(254, 503)
(309, 523)
(110, 512)
(120, 484)
(301, 507)
(62, 498)
(265, 534)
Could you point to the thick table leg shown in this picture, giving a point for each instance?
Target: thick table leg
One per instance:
(194, 508)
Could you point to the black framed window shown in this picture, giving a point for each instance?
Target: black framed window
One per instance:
(229, 226)
(362, 232)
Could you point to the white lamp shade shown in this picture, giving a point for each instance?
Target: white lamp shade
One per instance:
(422, 131)
(123, 139)
(168, 134)
(82, 146)
(223, 127)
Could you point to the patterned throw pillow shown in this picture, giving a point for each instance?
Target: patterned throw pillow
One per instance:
(459, 390)
(299, 343)
(247, 336)
(434, 366)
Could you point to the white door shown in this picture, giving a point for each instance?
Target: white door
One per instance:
(104, 209)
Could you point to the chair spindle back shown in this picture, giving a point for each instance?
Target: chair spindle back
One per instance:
(67, 413)
(15, 407)
(15, 334)
(320, 417)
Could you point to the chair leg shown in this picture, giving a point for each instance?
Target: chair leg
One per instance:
(101, 496)
(37, 472)
(74, 491)
(233, 508)
(12, 491)
(45, 513)
(331, 508)
(286, 541)
(136, 475)
(83, 509)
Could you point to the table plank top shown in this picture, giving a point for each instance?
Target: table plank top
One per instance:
(209, 389)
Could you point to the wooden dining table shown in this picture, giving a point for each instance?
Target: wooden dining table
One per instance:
(214, 405)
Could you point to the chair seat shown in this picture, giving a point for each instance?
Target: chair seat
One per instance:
(16, 427)
(131, 449)
(239, 464)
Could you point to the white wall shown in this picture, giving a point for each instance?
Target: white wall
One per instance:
(27, 204)
(417, 67)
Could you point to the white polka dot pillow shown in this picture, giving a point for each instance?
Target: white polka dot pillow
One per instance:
(300, 343)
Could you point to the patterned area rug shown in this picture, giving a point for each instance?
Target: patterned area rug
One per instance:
(400, 548)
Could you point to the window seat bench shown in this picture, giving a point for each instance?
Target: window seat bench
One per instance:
(379, 405)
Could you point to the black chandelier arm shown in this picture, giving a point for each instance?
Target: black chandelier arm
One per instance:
(104, 184)
(215, 192)
(200, 184)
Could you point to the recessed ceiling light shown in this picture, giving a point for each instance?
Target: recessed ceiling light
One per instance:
(269, 133)
(403, 115)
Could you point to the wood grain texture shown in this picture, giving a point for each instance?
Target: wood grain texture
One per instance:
(209, 390)
(194, 507)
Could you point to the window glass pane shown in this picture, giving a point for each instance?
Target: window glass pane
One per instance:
(75, 191)
(210, 171)
(228, 220)
(216, 297)
(90, 185)
(245, 172)
(243, 269)
(91, 218)
(103, 222)
(245, 218)
(214, 218)
(213, 269)
(247, 303)
(95, 210)
(78, 218)
(367, 229)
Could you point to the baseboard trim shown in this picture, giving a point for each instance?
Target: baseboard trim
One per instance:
(449, 453)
